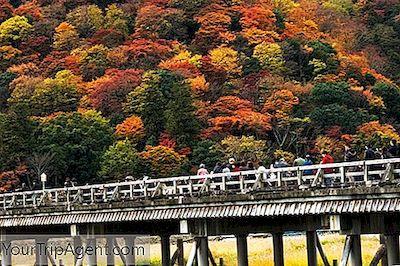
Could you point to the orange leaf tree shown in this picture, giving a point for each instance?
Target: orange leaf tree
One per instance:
(162, 161)
(131, 128)
(9, 180)
(232, 115)
(214, 28)
(375, 134)
(111, 92)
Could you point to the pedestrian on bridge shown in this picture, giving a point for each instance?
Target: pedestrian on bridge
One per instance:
(369, 153)
(394, 148)
(327, 159)
(350, 154)
(307, 162)
(202, 171)
(227, 170)
(217, 168)
(299, 161)
(281, 163)
(386, 154)
(231, 164)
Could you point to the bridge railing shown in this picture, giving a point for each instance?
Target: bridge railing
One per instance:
(274, 179)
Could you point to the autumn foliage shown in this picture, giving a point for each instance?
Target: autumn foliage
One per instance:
(132, 128)
(163, 161)
(171, 84)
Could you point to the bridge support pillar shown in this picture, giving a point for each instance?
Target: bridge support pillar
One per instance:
(91, 252)
(277, 239)
(242, 252)
(41, 252)
(130, 257)
(110, 250)
(77, 246)
(392, 249)
(91, 245)
(355, 253)
(165, 250)
(5, 254)
(311, 248)
(202, 251)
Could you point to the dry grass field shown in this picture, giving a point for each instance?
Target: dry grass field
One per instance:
(260, 250)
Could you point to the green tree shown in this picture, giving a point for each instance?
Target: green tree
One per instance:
(296, 60)
(77, 141)
(93, 62)
(180, 121)
(5, 79)
(87, 19)
(323, 54)
(23, 88)
(244, 148)
(205, 151)
(120, 160)
(15, 139)
(339, 115)
(150, 99)
(391, 97)
(116, 19)
(270, 56)
(56, 94)
(332, 92)
(14, 29)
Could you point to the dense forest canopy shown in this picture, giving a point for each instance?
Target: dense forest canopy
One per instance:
(98, 90)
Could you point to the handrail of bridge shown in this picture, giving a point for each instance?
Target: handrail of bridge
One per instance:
(274, 179)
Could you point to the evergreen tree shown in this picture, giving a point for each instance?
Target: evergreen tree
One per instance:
(15, 139)
(5, 79)
(180, 121)
(77, 141)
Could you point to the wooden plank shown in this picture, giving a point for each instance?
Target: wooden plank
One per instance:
(312, 258)
(346, 250)
(119, 251)
(174, 257)
(277, 240)
(52, 260)
(382, 240)
(380, 253)
(342, 174)
(321, 252)
(179, 245)
(388, 175)
(192, 254)
(317, 178)
(211, 258)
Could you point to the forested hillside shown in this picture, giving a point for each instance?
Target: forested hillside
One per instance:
(97, 90)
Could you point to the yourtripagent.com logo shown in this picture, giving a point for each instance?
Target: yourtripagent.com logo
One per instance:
(77, 250)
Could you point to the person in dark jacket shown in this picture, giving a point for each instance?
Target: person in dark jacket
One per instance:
(217, 168)
(394, 148)
(350, 154)
(369, 153)
(308, 162)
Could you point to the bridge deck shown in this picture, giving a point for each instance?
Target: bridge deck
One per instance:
(372, 200)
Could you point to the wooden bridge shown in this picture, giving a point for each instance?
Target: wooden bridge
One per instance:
(354, 198)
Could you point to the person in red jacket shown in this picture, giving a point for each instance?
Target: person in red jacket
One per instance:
(326, 159)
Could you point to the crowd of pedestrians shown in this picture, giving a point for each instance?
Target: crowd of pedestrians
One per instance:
(350, 154)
